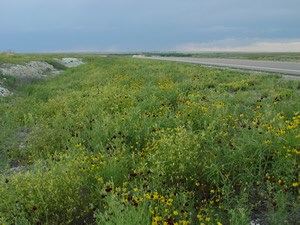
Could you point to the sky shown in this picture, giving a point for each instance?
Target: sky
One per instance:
(156, 25)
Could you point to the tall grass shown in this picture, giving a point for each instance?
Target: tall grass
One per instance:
(131, 141)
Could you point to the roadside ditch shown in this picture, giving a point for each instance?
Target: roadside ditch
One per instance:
(32, 71)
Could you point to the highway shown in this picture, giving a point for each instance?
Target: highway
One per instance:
(285, 68)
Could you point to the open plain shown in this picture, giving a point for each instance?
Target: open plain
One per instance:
(120, 140)
(285, 68)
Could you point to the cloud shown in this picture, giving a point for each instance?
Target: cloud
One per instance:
(223, 29)
(134, 25)
(239, 45)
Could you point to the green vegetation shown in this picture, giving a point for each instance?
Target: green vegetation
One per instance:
(11, 57)
(131, 141)
(288, 56)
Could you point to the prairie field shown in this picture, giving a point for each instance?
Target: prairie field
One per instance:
(129, 141)
(266, 56)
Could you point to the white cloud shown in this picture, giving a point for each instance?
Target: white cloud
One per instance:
(236, 45)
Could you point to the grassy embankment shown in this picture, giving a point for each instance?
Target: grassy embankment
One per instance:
(130, 141)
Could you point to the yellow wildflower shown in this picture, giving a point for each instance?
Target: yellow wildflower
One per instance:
(157, 218)
(170, 201)
(199, 217)
(184, 222)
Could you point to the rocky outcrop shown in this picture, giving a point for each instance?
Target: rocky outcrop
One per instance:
(32, 69)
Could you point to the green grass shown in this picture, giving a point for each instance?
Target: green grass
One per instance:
(131, 141)
(22, 58)
(276, 56)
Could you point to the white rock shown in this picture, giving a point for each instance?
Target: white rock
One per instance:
(4, 92)
(70, 62)
(255, 222)
(32, 69)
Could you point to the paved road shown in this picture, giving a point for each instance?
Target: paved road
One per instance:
(287, 68)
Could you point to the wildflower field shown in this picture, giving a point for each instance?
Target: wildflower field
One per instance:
(128, 141)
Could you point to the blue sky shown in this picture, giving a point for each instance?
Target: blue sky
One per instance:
(156, 25)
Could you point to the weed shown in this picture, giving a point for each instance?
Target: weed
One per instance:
(122, 140)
